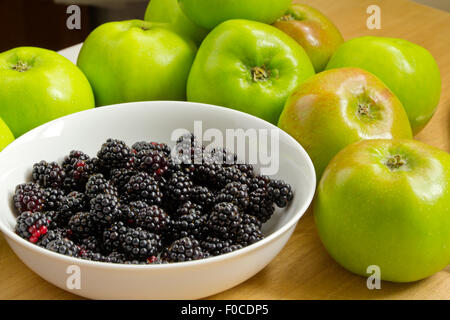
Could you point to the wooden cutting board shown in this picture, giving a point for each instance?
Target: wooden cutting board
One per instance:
(304, 270)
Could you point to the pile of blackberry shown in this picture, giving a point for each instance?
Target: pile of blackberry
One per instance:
(146, 204)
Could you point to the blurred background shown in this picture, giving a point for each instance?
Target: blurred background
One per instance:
(42, 23)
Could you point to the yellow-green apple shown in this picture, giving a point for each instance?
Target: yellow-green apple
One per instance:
(210, 13)
(169, 11)
(338, 107)
(136, 60)
(408, 69)
(39, 85)
(248, 66)
(386, 203)
(313, 31)
(6, 136)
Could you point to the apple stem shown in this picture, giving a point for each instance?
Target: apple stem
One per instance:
(260, 73)
(286, 17)
(395, 162)
(20, 66)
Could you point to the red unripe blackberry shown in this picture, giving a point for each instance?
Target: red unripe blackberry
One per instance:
(32, 226)
(48, 174)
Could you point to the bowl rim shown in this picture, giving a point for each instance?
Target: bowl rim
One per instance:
(210, 260)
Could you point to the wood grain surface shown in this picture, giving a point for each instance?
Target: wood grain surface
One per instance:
(304, 270)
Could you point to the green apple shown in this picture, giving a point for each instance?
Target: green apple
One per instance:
(248, 66)
(387, 203)
(169, 11)
(210, 13)
(408, 69)
(6, 136)
(313, 31)
(39, 85)
(338, 107)
(136, 60)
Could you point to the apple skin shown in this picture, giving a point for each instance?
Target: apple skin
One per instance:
(313, 31)
(47, 86)
(6, 136)
(395, 217)
(326, 113)
(408, 69)
(136, 60)
(210, 13)
(169, 11)
(224, 70)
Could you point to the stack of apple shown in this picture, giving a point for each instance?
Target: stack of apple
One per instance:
(383, 198)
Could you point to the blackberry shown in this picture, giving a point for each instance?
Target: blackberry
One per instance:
(114, 154)
(71, 159)
(90, 243)
(223, 156)
(55, 234)
(140, 244)
(78, 173)
(216, 246)
(224, 219)
(191, 223)
(260, 205)
(249, 231)
(97, 184)
(64, 246)
(246, 169)
(114, 236)
(115, 257)
(129, 212)
(119, 177)
(179, 187)
(236, 193)
(91, 255)
(48, 174)
(72, 203)
(29, 197)
(153, 219)
(206, 174)
(143, 145)
(184, 249)
(259, 182)
(280, 192)
(82, 225)
(203, 196)
(152, 161)
(143, 187)
(230, 174)
(105, 209)
(53, 198)
(32, 226)
(188, 207)
(187, 151)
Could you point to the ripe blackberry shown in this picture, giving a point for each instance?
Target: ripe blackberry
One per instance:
(72, 203)
(105, 209)
(259, 182)
(230, 174)
(236, 193)
(260, 204)
(91, 255)
(246, 168)
(203, 196)
(153, 219)
(143, 187)
(32, 226)
(114, 154)
(90, 243)
(188, 207)
(152, 161)
(29, 197)
(64, 246)
(223, 156)
(179, 187)
(143, 145)
(249, 231)
(280, 192)
(114, 236)
(187, 151)
(97, 184)
(70, 160)
(140, 244)
(224, 219)
(115, 257)
(191, 222)
(48, 174)
(129, 212)
(52, 234)
(184, 249)
(119, 177)
(217, 246)
(82, 225)
(53, 198)
(78, 173)
(206, 174)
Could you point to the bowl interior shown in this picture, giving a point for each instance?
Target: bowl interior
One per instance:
(147, 121)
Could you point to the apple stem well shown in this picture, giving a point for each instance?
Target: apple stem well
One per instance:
(260, 73)
(395, 162)
(21, 66)
(364, 110)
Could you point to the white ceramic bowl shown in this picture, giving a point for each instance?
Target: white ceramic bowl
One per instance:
(155, 121)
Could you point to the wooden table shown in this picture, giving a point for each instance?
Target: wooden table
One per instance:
(304, 270)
